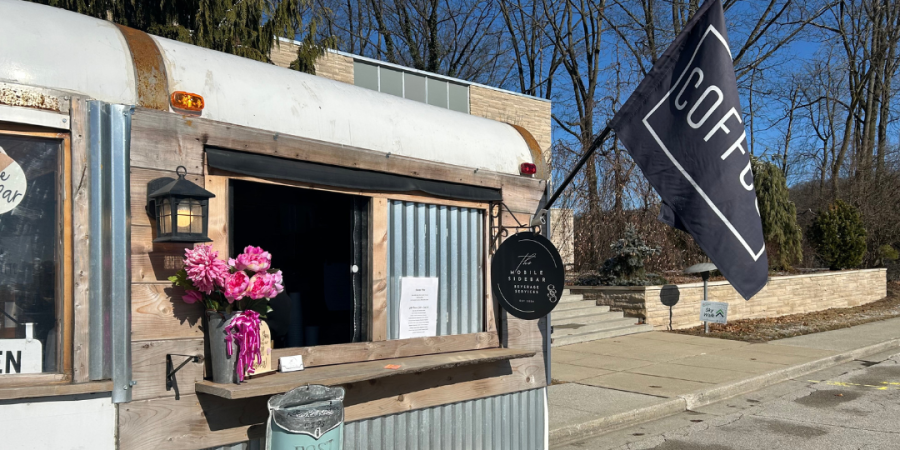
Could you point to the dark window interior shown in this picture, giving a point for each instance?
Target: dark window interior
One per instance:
(315, 238)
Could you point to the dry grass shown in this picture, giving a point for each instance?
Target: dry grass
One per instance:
(762, 330)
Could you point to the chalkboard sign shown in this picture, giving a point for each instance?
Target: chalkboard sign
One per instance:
(527, 275)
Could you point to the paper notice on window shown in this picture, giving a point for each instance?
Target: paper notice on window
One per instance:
(418, 307)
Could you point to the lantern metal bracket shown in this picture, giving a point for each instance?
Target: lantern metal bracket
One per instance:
(171, 382)
(499, 231)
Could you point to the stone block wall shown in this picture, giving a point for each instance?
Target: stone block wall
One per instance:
(331, 65)
(782, 296)
(526, 112)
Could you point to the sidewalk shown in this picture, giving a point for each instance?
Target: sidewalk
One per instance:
(611, 383)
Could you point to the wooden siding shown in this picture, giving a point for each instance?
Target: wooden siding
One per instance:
(162, 323)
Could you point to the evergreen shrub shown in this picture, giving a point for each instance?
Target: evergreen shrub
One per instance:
(838, 236)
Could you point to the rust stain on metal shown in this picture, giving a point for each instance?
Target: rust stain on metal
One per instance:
(536, 152)
(28, 98)
(149, 69)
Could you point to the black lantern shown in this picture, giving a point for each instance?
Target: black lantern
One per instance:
(181, 209)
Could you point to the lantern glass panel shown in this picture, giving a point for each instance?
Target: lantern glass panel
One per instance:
(196, 217)
(183, 221)
(165, 217)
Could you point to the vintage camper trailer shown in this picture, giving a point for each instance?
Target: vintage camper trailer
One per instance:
(349, 188)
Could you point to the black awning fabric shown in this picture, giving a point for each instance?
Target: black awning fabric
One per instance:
(262, 166)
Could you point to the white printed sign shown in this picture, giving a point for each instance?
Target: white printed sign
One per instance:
(21, 355)
(418, 307)
(714, 312)
(12, 183)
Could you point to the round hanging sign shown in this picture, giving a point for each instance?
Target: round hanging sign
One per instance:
(12, 183)
(527, 275)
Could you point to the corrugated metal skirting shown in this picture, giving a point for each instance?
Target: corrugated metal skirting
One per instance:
(505, 422)
(438, 241)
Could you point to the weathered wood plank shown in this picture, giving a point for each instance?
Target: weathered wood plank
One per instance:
(156, 144)
(356, 372)
(148, 360)
(151, 261)
(54, 390)
(522, 195)
(81, 241)
(218, 214)
(157, 312)
(326, 355)
(194, 422)
(378, 235)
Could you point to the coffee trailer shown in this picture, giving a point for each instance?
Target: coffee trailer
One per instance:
(351, 190)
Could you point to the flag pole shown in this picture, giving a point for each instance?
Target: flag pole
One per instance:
(541, 211)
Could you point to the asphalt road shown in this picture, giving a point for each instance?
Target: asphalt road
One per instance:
(852, 406)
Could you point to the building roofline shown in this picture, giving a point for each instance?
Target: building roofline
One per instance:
(422, 72)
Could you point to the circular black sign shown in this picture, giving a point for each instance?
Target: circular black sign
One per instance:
(527, 275)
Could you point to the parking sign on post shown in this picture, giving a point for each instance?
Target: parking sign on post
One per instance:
(714, 312)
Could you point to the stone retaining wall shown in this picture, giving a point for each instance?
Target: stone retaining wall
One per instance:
(782, 296)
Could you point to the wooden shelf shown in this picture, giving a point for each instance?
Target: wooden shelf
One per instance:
(355, 372)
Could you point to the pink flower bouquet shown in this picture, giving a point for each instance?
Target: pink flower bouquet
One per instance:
(246, 282)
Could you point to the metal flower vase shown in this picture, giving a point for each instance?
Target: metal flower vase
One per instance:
(223, 365)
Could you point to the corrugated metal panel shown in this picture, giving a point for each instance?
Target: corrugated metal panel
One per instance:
(438, 241)
(505, 422)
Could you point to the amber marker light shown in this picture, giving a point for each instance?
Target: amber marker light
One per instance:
(527, 169)
(187, 101)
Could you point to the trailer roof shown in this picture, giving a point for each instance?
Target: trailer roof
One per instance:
(53, 48)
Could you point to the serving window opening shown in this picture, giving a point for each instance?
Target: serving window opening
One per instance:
(319, 241)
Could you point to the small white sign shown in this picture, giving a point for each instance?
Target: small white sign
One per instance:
(290, 363)
(21, 355)
(12, 183)
(418, 307)
(714, 312)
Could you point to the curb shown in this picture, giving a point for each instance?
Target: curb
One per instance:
(703, 397)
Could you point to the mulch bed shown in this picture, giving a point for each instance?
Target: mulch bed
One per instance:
(769, 329)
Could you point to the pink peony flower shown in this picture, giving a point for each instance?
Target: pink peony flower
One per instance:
(191, 297)
(277, 284)
(253, 259)
(260, 286)
(236, 286)
(204, 268)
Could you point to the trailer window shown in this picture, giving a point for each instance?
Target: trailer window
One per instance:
(31, 266)
(316, 238)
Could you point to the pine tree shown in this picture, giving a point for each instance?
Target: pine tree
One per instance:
(778, 214)
(838, 236)
(247, 28)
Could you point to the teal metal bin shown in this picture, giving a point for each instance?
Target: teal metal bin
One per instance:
(306, 418)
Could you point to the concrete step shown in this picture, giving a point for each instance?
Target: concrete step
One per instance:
(579, 328)
(599, 315)
(567, 292)
(586, 310)
(568, 298)
(595, 335)
(575, 305)
(588, 320)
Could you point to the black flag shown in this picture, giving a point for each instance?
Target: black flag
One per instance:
(683, 126)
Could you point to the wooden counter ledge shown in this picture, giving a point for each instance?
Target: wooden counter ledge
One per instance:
(354, 372)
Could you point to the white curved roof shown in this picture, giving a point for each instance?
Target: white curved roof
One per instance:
(54, 48)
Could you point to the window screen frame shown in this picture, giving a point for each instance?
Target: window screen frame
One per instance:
(377, 345)
(64, 290)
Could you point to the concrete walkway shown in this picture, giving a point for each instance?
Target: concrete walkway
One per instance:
(611, 383)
